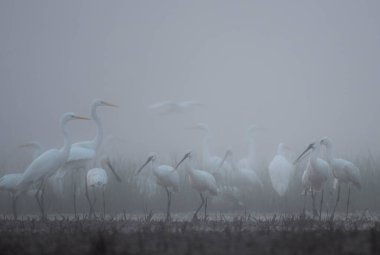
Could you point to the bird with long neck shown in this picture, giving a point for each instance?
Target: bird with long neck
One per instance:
(48, 163)
(316, 173)
(343, 170)
(83, 154)
(166, 176)
(251, 160)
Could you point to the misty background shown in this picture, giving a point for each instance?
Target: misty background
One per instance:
(302, 70)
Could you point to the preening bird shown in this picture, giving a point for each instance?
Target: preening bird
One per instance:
(96, 180)
(203, 182)
(83, 154)
(316, 173)
(281, 169)
(172, 107)
(48, 162)
(166, 176)
(343, 170)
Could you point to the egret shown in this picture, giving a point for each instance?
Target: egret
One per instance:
(166, 176)
(281, 170)
(203, 182)
(211, 163)
(170, 107)
(97, 179)
(83, 154)
(251, 160)
(35, 146)
(343, 170)
(316, 173)
(48, 162)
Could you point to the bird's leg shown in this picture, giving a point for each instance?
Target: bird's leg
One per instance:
(315, 212)
(196, 212)
(320, 206)
(169, 202)
(37, 196)
(94, 202)
(88, 198)
(206, 209)
(104, 203)
(304, 204)
(14, 206)
(42, 200)
(336, 203)
(348, 200)
(74, 194)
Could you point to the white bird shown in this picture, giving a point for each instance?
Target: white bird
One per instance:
(343, 170)
(48, 162)
(35, 146)
(170, 107)
(166, 176)
(251, 160)
(203, 182)
(83, 154)
(244, 178)
(211, 163)
(316, 173)
(281, 170)
(97, 180)
(9, 183)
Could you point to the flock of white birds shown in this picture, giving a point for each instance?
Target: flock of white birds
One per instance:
(215, 175)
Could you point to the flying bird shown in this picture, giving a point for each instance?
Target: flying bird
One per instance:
(174, 107)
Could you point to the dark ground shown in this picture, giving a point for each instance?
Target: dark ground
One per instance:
(240, 235)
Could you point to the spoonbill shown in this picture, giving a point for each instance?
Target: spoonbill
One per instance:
(203, 182)
(48, 162)
(166, 176)
(281, 170)
(170, 107)
(97, 180)
(83, 154)
(343, 170)
(316, 173)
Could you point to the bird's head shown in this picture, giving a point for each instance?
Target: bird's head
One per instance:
(100, 102)
(326, 142)
(151, 157)
(312, 146)
(201, 126)
(186, 156)
(72, 116)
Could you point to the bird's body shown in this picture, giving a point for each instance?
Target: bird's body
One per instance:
(174, 107)
(97, 178)
(9, 182)
(167, 177)
(281, 170)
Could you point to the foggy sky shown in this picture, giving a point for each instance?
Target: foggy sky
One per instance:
(300, 69)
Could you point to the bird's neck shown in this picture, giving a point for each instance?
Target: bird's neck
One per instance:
(66, 140)
(329, 153)
(206, 149)
(99, 129)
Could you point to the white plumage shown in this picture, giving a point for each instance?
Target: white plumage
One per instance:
(281, 170)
